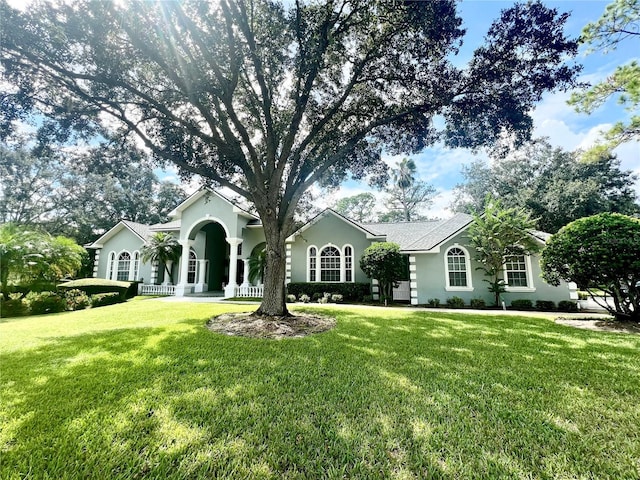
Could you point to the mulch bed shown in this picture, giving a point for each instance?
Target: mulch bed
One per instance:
(256, 326)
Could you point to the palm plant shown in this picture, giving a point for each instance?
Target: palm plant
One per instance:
(257, 263)
(163, 248)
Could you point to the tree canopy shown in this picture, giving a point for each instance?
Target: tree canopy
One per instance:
(268, 99)
(600, 253)
(406, 195)
(70, 195)
(554, 185)
(620, 23)
(360, 207)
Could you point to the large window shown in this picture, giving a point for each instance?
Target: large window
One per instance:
(516, 271)
(457, 269)
(330, 265)
(124, 265)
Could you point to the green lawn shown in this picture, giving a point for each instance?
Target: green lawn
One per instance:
(144, 390)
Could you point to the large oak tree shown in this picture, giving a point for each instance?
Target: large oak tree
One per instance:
(268, 98)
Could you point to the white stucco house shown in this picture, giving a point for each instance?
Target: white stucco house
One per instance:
(218, 236)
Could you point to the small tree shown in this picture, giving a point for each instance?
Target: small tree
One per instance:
(599, 253)
(496, 234)
(163, 248)
(360, 208)
(383, 261)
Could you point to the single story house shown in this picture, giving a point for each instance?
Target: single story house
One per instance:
(218, 236)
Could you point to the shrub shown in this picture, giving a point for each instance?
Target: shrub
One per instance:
(367, 298)
(434, 302)
(351, 292)
(103, 299)
(45, 302)
(304, 298)
(522, 304)
(455, 302)
(545, 305)
(325, 298)
(291, 298)
(316, 296)
(14, 307)
(567, 306)
(76, 299)
(336, 298)
(93, 286)
(478, 303)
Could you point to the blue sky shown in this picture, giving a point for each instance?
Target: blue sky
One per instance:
(553, 118)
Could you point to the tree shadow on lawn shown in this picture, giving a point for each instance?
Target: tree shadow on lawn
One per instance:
(416, 395)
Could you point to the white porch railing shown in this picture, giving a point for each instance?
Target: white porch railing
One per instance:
(249, 291)
(156, 289)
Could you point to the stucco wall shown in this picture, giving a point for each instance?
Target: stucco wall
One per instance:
(328, 230)
(432, 281)
(121, 241)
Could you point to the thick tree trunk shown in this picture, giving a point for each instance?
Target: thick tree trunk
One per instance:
(273, 300)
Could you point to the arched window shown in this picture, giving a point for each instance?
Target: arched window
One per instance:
(457, 268)
(348, 263)
(111, 265)
(193, 263)
(312, 266)
(136, 264)
(124, 265)
(330, 264)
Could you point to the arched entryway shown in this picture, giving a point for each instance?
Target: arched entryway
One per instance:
(206, 252)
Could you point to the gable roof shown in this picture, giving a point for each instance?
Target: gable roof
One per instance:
(329, 211)
(176, 213)
(139, 229)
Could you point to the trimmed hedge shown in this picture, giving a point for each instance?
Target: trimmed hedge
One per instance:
(93, 286)
(522, 304)
(351, 292)
(567, 306)
(478, 303)
(455, 302)
(104, 299)
(545, 305)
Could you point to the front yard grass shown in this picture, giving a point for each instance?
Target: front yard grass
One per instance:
(144, 390)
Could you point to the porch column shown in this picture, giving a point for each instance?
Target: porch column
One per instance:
(182, 287)
(202, 285)
(230, 289)
(245, 279)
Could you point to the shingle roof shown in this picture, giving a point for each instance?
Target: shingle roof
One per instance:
(420, 235)
(140, 229)
(158, 227)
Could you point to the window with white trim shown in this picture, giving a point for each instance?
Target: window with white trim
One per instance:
(111, 265)
(516, 271)
(348, 263)
(330, 264)
(193, 262)
(124, 265)
(457, 269)
(312, 263)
